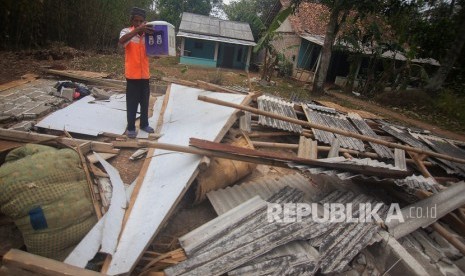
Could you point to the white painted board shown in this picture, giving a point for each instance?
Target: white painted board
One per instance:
(169, 172)
(89, 118)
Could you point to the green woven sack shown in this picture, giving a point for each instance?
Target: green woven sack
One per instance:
(45, 191)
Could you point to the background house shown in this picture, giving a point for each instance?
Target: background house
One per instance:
(301, 36)
(213, 42)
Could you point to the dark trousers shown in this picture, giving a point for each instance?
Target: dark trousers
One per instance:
(137, 92)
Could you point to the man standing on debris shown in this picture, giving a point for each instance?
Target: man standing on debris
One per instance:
(136, 71)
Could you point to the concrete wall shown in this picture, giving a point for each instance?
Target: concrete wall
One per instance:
(197, 61)
(288, 44)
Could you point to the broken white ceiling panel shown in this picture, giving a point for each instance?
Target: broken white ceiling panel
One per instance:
(169, 173)
(105, 233)
(88, 118)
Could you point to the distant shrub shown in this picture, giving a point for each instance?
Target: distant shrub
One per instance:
(451, 105)
(407, 98)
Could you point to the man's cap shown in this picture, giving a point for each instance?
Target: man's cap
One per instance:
(138, 11)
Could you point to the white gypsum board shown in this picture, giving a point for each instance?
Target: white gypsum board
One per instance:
(169, 172)
(88, 118)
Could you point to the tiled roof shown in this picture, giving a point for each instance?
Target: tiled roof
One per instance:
(310, 18)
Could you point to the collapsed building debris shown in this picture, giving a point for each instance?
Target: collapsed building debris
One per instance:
(315, 145)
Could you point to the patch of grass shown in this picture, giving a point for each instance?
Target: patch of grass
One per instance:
(452, 106)
(286, 89)
(164, 61)
(216, 77)
(113, 64)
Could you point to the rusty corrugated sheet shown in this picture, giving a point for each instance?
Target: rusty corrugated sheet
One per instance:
(410, 138)
(403, 136)
(280, 107)
(334, 122)
(343, 175)
(365, 129)
(322, 108)
(415, 182)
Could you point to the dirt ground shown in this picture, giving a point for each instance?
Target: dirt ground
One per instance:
(397, 116)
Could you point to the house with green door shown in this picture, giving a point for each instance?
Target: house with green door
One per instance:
(213, 42)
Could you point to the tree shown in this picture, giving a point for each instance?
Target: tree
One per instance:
(82, 24)
(171, 10)
(452, 53)
(339, 11)
(255, 12)
(272, 57)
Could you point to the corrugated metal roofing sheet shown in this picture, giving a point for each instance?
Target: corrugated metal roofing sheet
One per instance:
(365, 129)
(334, 122)
(321, 108)
(277, 106)
(337, 246)
(414, 182)
(225, 199)
(209, 26)
(343, 175)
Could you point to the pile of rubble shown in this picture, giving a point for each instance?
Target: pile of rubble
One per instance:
(296, 168)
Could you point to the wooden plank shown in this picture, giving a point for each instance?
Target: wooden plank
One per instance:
(334, 150)
(304, 148)
(14, 271)
(86, 79)
(93, 159)
(313, 149)
(31, 137)
(24, 79)
(334, 130)
(37, 264)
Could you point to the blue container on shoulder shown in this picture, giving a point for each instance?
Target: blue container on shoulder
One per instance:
(162, 42)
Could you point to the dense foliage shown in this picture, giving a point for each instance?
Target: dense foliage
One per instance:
(83, 24)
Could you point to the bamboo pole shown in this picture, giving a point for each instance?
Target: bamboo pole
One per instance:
(330, 129)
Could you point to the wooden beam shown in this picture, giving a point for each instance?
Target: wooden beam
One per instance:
(449, 237)
(32, 137)
(331, 129)
(86, 79)
(304, 148)
(342, 150)
(24, 79)
(36, 264)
